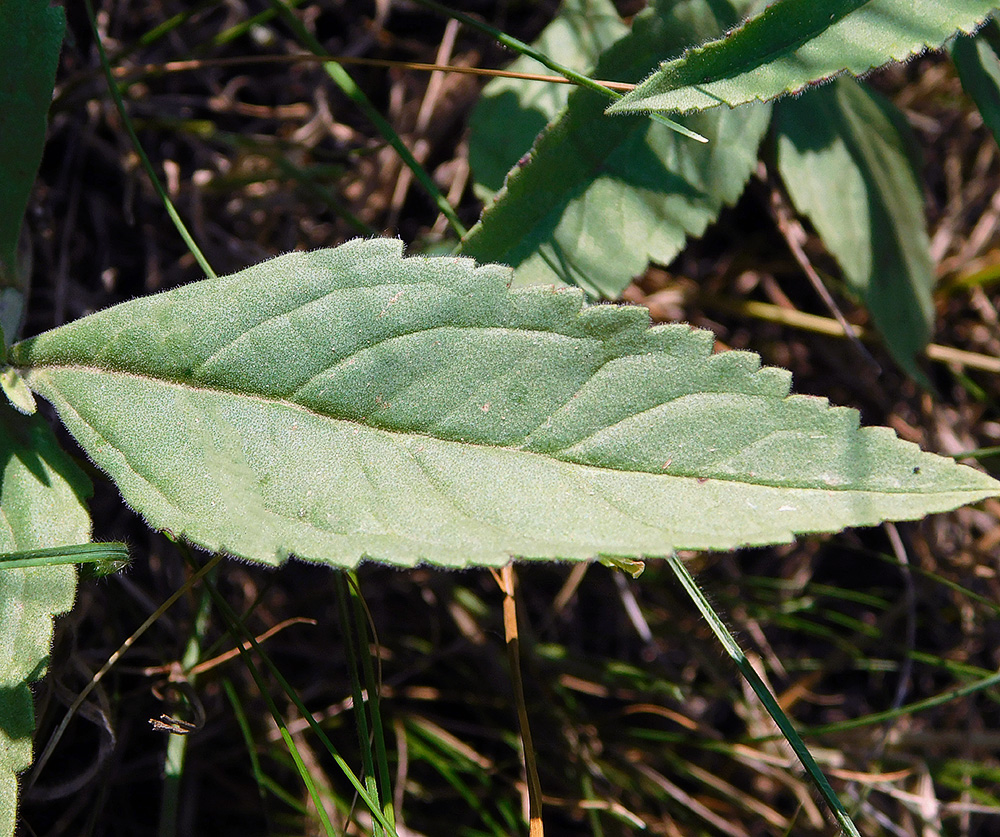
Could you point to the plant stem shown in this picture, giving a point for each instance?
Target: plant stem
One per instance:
(146, 164)
(763, 694)
(507, 582)
(173, 763)
(577, 78)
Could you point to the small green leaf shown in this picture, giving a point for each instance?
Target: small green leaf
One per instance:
(794, 43)
(41, 506)
(629, 566)
(33, 33)
(844, 154)
(978, 67)
(350, 403)
(598, 198)
(17, 391)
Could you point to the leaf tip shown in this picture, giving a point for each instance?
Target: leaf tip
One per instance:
(17, 391)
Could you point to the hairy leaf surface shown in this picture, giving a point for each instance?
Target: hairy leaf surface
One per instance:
(598, 198)
(793, 43)
(41, 505)
(349, 402)
(844, 155)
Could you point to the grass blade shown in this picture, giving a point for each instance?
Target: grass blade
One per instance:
(763, 693)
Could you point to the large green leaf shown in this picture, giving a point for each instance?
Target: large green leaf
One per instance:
(793, 43)
(32, 35)
(978, 64)
(349, 402)
(598, 198)
(511, 112)
(844, 153)
(41, 506)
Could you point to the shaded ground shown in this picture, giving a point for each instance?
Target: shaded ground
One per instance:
(630, 726)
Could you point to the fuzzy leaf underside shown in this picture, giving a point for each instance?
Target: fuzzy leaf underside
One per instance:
(350, 403)
(511, 112)
(41, 506)
(597, 199)
(844, 155)
(794, 43)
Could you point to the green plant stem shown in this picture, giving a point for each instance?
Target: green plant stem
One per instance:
(146, 164)
(360, 718)
(526, 49)
(909, 708)
(344, 81)
(173, 763)
(763, 694)
(372, 684)
(244, 724)
(113, 554)
(307, 779)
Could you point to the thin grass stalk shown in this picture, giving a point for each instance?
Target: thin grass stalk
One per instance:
(50, 746)
(307, 779)
(236, 627)
(372, 684)
(245, 637)
(526, 49)
(422, 749)
(146, 164)
(344, 81)
(763, 694)
(909, 708)
(360, 717)
(173, 763)
(244, 726)
(507, 581)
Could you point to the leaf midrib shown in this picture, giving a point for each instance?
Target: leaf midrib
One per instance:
(756, 59)
(546, 455)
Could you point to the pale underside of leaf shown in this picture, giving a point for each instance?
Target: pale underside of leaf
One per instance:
(41, 505)
(350, 403)
(597, 199)
(794, 43)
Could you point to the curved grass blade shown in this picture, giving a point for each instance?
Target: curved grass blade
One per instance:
(511, 112)
(794, 43)
(351, 403)
(772, 706)
(154, 180)
(547, 61)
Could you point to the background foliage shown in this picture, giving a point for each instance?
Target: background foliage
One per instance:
(636, 717)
